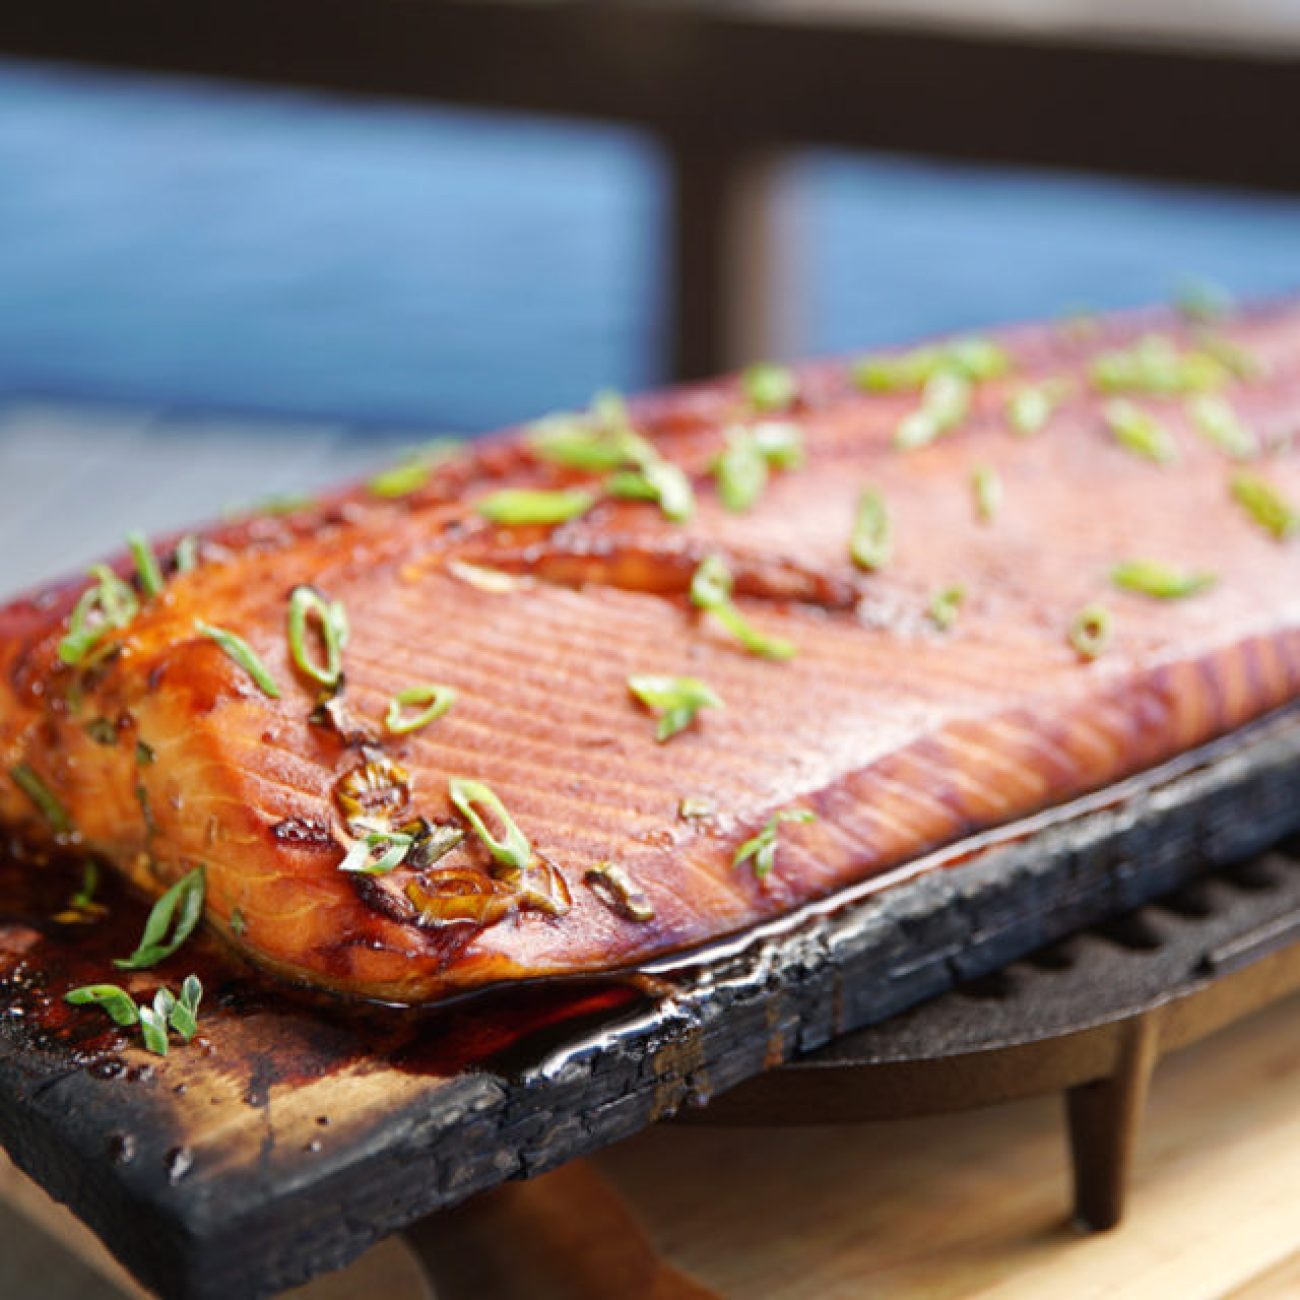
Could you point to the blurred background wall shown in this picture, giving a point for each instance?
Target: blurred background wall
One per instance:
(203, 247)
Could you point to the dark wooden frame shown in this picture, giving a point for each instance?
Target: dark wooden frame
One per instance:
(722, 86)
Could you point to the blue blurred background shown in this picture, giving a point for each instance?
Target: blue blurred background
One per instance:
(215, 249)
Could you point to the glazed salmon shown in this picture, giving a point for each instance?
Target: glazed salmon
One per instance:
(588, 693)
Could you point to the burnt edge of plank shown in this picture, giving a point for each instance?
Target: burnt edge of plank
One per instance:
(788, 989)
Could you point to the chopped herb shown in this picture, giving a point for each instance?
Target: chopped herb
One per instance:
(1265, 504)
(432, 699)
(1030, 408)
(676, 699)
(117, 1002)
(46, 802)
(519, 506)
(1154, 365)
(711, 588)
(1201, 300)
(973, 359)
(871, 543)
(153, 1022)
(237, 923)
(1139, 432)
(945, 605)
(186, 556)
(184, 1014)
(496, 582)
(84, 899)
(102, 731)
(1216, 421)
(987, 488)
(762, 848)
(146, 564)
(741, 472)
(615, 888)
(144, 754)
(183, 903)
(414, 471)
(945, 401)
(1152, 578)
(243, 654)
(656, 480)
(770, 387)
(1090, 631)
(570, 440)
(694, 808)
(393, 846)
(512, 848)
(1239, 361)
(110, 603)
(332, 620)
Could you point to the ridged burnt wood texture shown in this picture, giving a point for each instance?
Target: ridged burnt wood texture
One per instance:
(898, 734)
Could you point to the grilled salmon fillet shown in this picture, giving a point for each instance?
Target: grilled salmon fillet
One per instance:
(916, 597)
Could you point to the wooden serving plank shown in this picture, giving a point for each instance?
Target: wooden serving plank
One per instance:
(291, 1137)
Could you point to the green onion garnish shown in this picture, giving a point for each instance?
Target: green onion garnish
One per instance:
(770, 387)
(1154, 365)
(987, 489)
(46, 802)
(945, 605)
(656, 480)
(1240, 362)
(1265, 504)
(971, 358)
(110, 603)
(676, 699)
(184, 902)
(1216, 421)
(153, 1022)
(117, 1002)
(871, 543)
(945, 401)
(432, 701)
(1090, 631)
(711, 588)
(186, 557)
(184, 1017)
(694, 808)
(243, 654)
(84, 899)
(519, 506)
(512, 848)
(332, 620)
(146, 564)
(741, 472)
(1152, 578)
(1030, 408)
(360, 857)
(762, 848)
(412, 473)
(1140, 432)
(237, 922)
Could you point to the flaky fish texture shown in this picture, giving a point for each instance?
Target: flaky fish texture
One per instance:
(940, 685)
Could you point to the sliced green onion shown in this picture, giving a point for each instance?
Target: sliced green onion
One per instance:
(1090, 631)
(1239, 361)
(945, 402)
(1139, 432)
(656, 480)
(973, 359)
(1216, 421)
(770, 387)
(186, 557)
(110, 603)
(519, 506)
(512, 848)
(432, 700)
(1030, 408)
(360, 858)
(45, 801)
(741, 473)
(183, 904)
(762, 847)
(1153, 578)
(945, 605)
(711, 588)
(117, 1002)
(184, 1014)
(146, 564)
(144, 754)
(987, 489)
(1154, 365)
(153, 1022)
(695, 808)
(102, 731)
(676, 699)
(243, 654)
(84, 899)
(1202, 300)
(1265, 504)
(237, 923)
(413, 473)
(332, 620)
(496, 582)
(871, 544)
